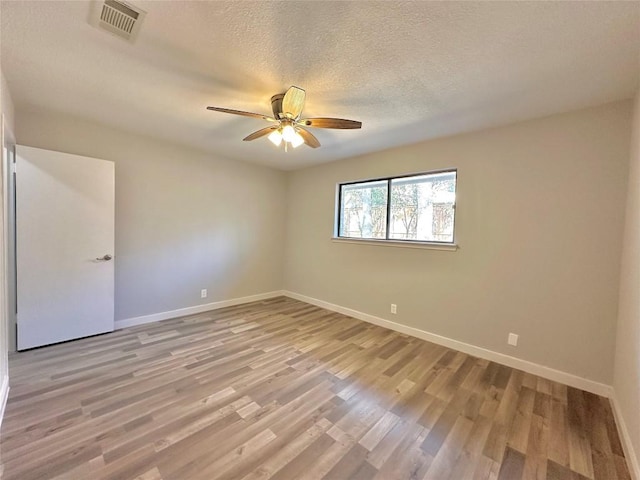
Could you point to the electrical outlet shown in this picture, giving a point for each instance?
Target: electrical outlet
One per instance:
(513, 339)
(394, 308)
(203, 293)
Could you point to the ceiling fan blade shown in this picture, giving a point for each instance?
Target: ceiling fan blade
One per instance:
(240, 112)
(293, 102)
(260, 133)
(308, 138)
(330, 123)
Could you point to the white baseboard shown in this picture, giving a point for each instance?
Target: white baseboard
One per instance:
(530, 367)
(627, 446)
(4, 396)
(181, 312)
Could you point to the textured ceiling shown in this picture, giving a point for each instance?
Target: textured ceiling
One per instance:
(409, 71)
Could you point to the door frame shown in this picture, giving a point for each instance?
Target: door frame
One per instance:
(7, 143)
(9, 235)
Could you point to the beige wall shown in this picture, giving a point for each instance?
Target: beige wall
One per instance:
(185, 220)
(626, 381)
(539, 223)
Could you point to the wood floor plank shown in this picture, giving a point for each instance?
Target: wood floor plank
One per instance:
(521, 424)
(273, 464)
(470, 456)
(559, 439)
(445, 460)
(406, 458)
(512, 465)
(296, 467)
(535, 465)
(279, 389)
(376, 433)
(580, 456)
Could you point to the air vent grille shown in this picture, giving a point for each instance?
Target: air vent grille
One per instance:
(118, 17)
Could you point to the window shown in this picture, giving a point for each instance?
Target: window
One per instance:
(419, 208)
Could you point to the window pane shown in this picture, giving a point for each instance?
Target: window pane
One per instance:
(363, 210)
(422, 207)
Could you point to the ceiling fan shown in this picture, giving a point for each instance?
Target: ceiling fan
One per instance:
(287, 126)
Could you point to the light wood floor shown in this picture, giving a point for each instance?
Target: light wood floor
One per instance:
(285, 390)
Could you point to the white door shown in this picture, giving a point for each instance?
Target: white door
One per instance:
(64, 246)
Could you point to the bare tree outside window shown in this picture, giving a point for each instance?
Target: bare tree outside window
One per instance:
(404, 211)
(364, 210)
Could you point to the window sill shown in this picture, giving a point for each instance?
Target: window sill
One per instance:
(449, 247)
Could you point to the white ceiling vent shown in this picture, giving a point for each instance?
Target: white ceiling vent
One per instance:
(120, 18)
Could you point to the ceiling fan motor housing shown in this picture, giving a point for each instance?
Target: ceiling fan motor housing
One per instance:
(276, 105)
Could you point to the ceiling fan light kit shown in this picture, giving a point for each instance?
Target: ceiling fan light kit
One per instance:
(275, 137)
(288, 126)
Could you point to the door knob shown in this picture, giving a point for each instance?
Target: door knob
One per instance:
(106, 258)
